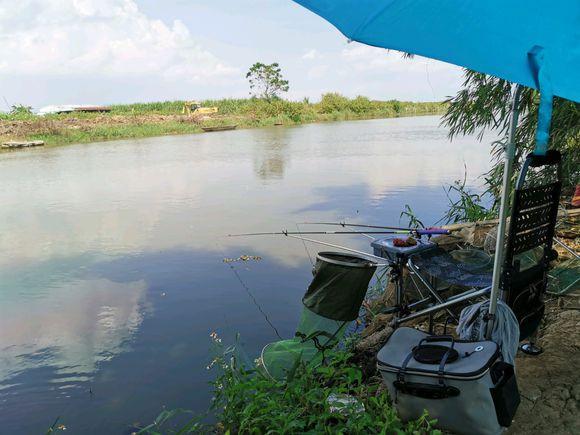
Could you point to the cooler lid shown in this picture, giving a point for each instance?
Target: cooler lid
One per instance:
(475, 357)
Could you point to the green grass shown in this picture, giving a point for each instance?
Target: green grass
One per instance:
(116, 132)
(141, 120)
(331, 104)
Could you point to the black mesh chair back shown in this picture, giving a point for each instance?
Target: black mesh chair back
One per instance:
(532, 227)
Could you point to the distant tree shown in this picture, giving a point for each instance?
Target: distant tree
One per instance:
(266, 81)
(20, 109)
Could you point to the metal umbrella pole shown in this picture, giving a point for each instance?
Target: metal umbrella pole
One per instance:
(509, 155)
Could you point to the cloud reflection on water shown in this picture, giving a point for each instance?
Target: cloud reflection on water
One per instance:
(74, 327)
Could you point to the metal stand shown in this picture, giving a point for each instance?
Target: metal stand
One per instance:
(503, 210)
(404, 311)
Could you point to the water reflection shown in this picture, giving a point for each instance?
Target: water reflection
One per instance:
(158, 193)
(270, 155)
(73, 327)
(111, 272)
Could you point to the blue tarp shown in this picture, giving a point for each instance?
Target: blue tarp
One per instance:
(535, 43)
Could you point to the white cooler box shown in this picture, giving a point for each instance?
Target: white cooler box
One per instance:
(464, 385)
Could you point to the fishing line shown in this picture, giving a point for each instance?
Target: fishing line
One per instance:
(250, 294)
(305, 247)
(365, 235)
(254, 300)
(429, 79)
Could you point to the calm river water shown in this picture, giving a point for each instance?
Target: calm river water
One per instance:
(111, 271)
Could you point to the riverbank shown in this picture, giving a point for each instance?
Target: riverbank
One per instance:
(134, 121)
(548, 383)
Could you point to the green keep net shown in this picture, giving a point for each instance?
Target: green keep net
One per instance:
(331, 302)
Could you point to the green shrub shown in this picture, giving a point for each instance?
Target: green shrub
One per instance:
(160, 107)
(333, 102)
(360, 105)
(397, 106)
(247, 401)
(465, 205)
(20, 109)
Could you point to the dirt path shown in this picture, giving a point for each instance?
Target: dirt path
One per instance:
(550, 383)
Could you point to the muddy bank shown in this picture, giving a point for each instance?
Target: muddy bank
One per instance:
(56, 125)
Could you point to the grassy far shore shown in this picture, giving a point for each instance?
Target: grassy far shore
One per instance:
(165, 118)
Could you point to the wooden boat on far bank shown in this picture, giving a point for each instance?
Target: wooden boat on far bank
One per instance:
(219, 128)
(22, 144)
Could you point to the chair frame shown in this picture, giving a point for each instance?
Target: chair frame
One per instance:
(533, 224)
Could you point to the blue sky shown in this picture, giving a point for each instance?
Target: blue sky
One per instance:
(115, 51)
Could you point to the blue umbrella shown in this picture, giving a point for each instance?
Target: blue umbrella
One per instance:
(534, 43)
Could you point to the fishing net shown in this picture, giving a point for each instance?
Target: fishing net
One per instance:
(331, 302)
(565, 277)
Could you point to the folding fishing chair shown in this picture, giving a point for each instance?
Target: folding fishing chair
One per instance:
(532, 226)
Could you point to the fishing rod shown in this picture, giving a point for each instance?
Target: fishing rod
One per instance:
(298, 233)
(344, 224)
(419, 231)
(344, 248)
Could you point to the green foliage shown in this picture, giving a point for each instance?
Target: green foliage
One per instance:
(413, 220)
(484, 104)
(397, 106)
(161, 118)
(266, 81)
(159, 107)
(333, 102)
(341, 107)
(247, 401)
(360, 105)
(20, 109)
(166, 419)
(465, 205)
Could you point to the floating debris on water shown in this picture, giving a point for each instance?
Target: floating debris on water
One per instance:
(242, 258)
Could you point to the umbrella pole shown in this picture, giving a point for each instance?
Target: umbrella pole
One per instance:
(509, 154)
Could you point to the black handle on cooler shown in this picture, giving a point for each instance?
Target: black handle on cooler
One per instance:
(438, 391)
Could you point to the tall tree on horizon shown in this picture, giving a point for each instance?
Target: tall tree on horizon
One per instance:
(266, 81)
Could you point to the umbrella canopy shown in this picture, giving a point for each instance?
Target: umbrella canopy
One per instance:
(535, 43)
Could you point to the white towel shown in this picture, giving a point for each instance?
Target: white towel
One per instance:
(506, 329)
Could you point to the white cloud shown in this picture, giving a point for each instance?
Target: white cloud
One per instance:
(311, 55)
(107, 37)
(367, 58)
(318, 71)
